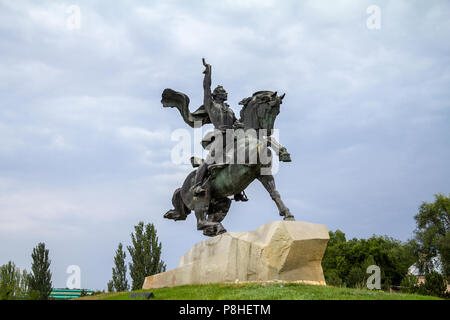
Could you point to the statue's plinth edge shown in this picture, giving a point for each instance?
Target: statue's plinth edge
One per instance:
(280, 251)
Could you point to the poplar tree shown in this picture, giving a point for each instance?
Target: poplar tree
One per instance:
(9, 281)
(110, 285)
(119, 272)
(145, 253)
(41, 278)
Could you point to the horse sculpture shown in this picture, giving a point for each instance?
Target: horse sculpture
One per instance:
(246, 158)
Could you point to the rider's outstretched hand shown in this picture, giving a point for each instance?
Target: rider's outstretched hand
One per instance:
(207, 66)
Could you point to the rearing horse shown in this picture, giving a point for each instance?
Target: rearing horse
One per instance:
(229, 178)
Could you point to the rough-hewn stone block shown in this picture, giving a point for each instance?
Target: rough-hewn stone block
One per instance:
(281, 250)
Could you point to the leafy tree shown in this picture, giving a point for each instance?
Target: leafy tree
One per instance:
(332, 278)
(13, 283)
(9, 281)
(434, 285)
(24, 286)
(110, 286)
(119, 272)
(41, 277)
(355, 278)
(336, 237)
(145, 253)
(432, 235)
(349, 259)
(409, 284)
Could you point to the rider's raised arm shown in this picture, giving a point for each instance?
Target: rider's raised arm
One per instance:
(207, 100)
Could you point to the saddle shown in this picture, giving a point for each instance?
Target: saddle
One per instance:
(196, 162)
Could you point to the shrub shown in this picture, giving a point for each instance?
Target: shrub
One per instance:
(434, 285)
(332, 278)
(409, 284)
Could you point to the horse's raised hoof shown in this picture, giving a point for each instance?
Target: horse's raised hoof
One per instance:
(174, 215)
(289, 218)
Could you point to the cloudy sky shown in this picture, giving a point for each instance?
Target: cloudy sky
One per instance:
(85, 144)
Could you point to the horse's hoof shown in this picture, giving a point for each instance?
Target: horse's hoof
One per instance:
(289, 218)
(174, 215)
(210, 231)
(214, 230)
(220, 229)
(221, 232)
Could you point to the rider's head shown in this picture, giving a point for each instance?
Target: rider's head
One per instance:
(219, 94)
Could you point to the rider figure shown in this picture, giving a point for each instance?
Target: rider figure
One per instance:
(222, 117)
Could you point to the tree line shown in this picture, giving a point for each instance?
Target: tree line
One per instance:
(345, 261)
(15, 284)
(145, 252)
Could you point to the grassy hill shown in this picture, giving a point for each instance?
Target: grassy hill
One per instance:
(254, 291)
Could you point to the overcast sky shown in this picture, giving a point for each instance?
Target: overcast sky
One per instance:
(85, 144)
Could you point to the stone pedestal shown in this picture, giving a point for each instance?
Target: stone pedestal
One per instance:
(281, 250)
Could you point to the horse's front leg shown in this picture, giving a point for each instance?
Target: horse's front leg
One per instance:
(269, 183)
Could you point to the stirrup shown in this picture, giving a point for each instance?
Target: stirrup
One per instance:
(198, 189)
(241, 197)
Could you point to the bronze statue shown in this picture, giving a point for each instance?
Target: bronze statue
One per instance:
(238, 154)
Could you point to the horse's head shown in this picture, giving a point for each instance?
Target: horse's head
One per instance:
(260, 110)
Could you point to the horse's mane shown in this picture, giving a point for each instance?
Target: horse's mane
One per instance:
(250, 107)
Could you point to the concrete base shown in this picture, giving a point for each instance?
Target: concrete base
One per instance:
(281, 250)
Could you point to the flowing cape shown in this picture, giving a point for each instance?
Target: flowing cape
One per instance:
(175, 99)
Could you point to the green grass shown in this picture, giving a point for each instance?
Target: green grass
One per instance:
(284, 291)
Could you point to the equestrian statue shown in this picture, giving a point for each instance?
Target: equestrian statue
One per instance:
(239, 152)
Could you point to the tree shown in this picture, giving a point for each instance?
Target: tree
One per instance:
(409, 284)
(332, 278)
(41, 277)
(13, 283)
(434, 285)
(9, 281)
(355, 278)
(119, 273)
(432, 235)
(110, 286)
(348, 260)
(24, 286)
(145, 253)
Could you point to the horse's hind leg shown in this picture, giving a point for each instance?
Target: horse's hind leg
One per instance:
(201, 208)
(180, 210)
(269, 183)
(218, 209)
